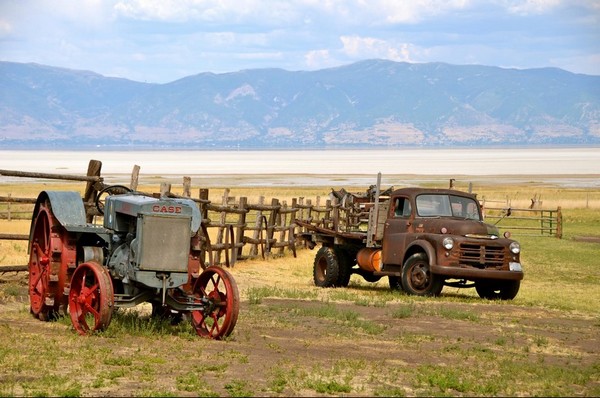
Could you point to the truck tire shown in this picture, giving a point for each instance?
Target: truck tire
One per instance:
(326, 270)
(497, 290)
(345, 263)
(417, 278)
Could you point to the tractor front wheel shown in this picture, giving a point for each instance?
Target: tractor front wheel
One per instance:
(91, 298)
(217, 290)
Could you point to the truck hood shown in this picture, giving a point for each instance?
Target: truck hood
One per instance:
(472, 228)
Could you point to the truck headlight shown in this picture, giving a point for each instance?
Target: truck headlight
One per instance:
(448, 243)
(515, 247)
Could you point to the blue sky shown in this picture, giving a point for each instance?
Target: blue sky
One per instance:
(160, 41)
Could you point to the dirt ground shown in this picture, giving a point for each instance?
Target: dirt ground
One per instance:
(318, 346)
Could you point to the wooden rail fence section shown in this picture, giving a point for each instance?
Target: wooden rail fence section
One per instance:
(236, 230)
(231, 230)
(528, 222)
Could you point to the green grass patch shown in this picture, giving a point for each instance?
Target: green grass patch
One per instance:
(257, 294)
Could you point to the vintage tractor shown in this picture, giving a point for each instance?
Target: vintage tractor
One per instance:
(147, 250)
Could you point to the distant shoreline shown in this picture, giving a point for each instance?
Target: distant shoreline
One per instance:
(563, 166)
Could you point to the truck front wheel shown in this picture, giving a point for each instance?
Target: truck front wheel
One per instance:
(326, 269)
(417, 278)
(497, 290)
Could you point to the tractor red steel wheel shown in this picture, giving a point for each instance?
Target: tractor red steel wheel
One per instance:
(217, 288)
(91, 298)
(51, 253)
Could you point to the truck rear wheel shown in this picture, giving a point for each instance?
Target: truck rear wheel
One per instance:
(497, 290)
(326, 270)
(417, 278)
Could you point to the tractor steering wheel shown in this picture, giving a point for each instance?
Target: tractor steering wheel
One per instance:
(109, 190)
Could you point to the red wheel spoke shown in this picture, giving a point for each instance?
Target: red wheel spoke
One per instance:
(89, 291)
(92, 310)
(215, 326)
(215, 284)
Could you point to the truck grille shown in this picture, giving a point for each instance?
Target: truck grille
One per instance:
(481, 256)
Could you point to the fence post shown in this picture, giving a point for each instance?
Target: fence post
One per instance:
(257, 228)
(8, 207)
(293, 215)
(135, 177)
(239, 234)
(91, 190)
(187, 183)
(281, 221)
(272, 223)
(203, 196)
(165, 188)
(221, 227)
(559, 222)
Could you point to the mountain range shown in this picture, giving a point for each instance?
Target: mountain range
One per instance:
(368, 104)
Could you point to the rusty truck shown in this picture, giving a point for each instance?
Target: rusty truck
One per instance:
(421, 239)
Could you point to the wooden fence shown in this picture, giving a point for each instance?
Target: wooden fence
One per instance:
(232, 229)
(527, 222)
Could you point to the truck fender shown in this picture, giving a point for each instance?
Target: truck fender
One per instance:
(67, 207)
(420, 245)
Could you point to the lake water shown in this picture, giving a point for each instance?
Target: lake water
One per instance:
(561, 163)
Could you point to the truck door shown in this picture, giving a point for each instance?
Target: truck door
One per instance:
(399, 223)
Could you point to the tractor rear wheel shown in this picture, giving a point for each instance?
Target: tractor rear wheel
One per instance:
(51, 251)
(216, 288)
(91, 298)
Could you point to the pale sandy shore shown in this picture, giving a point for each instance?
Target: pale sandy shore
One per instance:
(569, 167)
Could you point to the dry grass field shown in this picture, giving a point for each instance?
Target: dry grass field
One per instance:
(293, 339)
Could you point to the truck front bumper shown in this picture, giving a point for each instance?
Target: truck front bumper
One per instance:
(476, 273)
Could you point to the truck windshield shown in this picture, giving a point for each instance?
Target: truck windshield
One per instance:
(441, 205)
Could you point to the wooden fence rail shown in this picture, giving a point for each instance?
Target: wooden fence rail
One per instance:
(240, 230)
(234, 229)
(527, 222)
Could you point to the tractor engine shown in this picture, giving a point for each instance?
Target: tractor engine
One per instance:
(149, 243)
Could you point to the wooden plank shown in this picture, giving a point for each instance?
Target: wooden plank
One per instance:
(69, 177)
(13, 268)
(11, 199)
(14, 237)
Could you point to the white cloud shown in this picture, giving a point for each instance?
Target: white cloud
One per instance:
(221, 11)
(367, 47)
(317, 59)
(5, 28)
(527, 7)
(416, 10)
